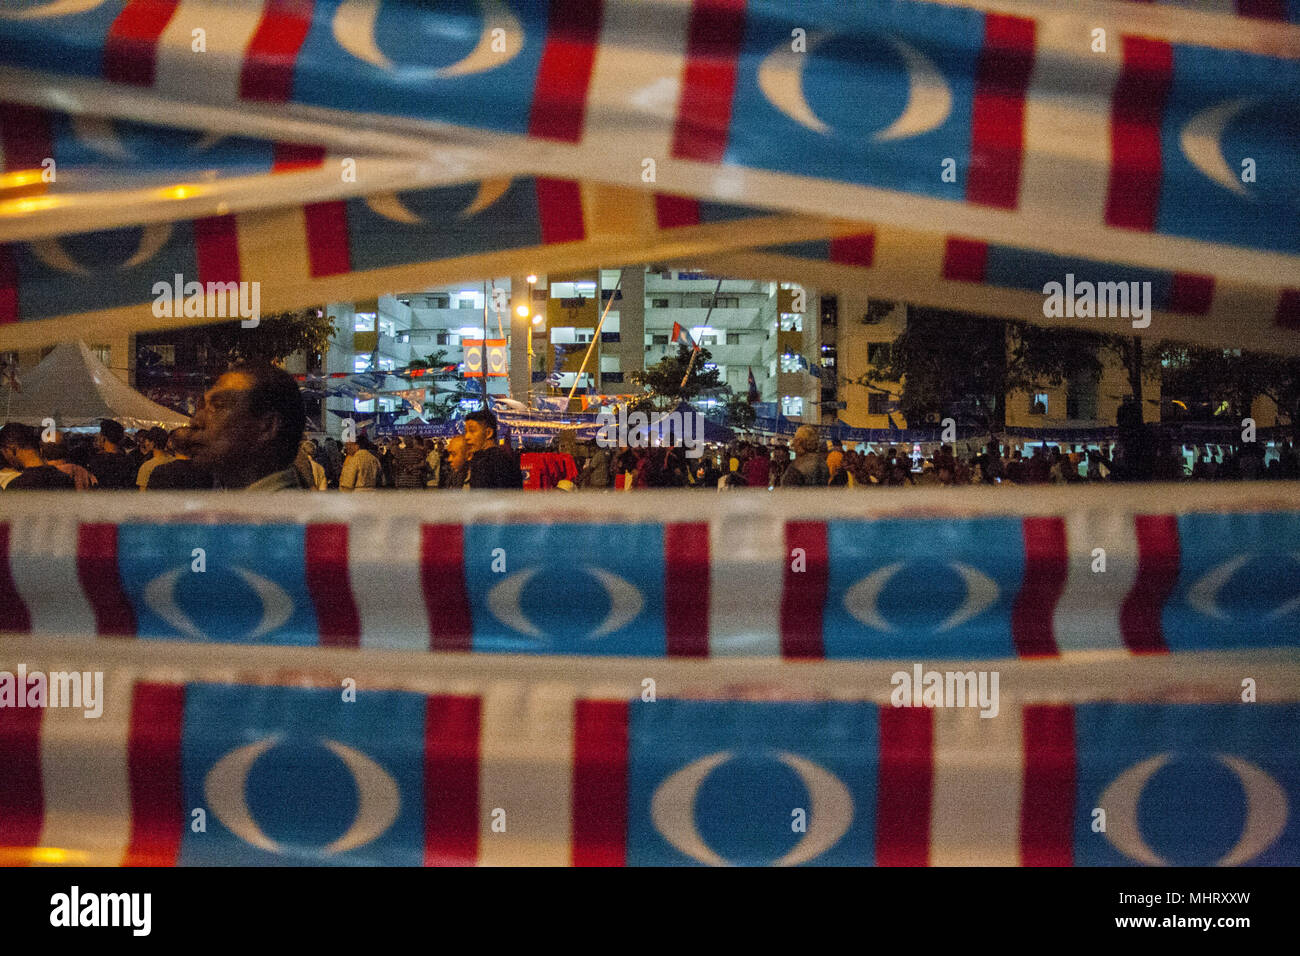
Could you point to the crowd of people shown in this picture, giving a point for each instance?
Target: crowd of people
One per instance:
(249, 434)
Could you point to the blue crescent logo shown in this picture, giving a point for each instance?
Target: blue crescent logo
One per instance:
(1266, 809)
(929, 98)
(226, 790)
(276, 604)
(829, 809)
(499, 41)
(1204, 594)
(624, 601)
(862, 599)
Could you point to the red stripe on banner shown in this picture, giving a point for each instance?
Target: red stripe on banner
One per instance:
(14, 616)
(131, 49)
(442, 573)
(1046, 567)
(559, 206)
(560, 97)
(1048, 788)
(856, 250)
(328, 248)
(330, 586)
(1133, 196)
(1157, 572)
(964, 260)
(905, 786)
(716, 31)
(674, 211)
(997, 145)
(158, 814)
(1288, 310)
(290, 157)
(451, 768)
(600, 783)
(1262, 9)
(25, 135)
(803, 593)
(22, 798)
(1191, 294)
(686, 589)
(267, 73)
(216, 246)
(8, 285)
(97, 571)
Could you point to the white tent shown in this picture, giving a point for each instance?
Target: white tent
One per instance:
(75, 388)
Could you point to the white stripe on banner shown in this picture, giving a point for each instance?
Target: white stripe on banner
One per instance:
(1087, 616)
(975, 813)
(1067, 120)
(213, 75)
(526, 770)
(745, 588)
(384, 567)
(84, 778)
(43, 561)
(634, 91)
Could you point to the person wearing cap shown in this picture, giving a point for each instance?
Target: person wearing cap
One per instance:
(110, 464)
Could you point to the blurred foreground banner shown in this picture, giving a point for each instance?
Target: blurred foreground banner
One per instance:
(1134, 138)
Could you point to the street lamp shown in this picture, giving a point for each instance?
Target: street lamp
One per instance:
(521, 310)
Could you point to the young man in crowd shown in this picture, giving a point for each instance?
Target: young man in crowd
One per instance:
(20, 450)
(491, 465)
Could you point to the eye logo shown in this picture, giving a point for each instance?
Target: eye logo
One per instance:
(625, 603)
(1201, 139)
(277, 605)
(354, 30)
(673, 809)
(862, 600)
(1203, 596)
(392, 208)
(53, 253)
(929, 99)
(1266, 810)
(378, 800)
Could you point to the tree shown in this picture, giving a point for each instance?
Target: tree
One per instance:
(740, 413)
(273, 339)
(664, 380)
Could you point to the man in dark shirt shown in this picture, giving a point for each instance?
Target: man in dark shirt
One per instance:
(180, 473)
(20, 449)
(110, 464)
(490, 465)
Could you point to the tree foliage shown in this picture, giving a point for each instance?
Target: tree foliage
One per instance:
(740, 413)
(273, 339)
(663, 380)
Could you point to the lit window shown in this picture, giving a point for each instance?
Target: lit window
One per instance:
(364, 322)
(1038, 404)
(792, 405)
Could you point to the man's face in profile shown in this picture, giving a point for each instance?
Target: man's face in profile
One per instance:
(224, 429)
(456, 452)
(477, 437)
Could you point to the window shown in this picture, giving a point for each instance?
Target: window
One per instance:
(792, 405)
(1038, 404)
(658, 303)
(465, 303)
(442, 338)
(361, 363)
(733, 338)
(708, 340)
(877, 403)
(659, 339)
(440, 302)
(540, 295)
(791, 322)
(363, 322)
(721, 302)
(878, 353)
(830, 310)
(790, 363)
(166, 353)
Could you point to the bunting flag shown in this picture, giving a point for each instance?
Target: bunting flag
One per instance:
(680, 333)
(1146, 140)
(640, 581)
(560, 773)
(752, 395)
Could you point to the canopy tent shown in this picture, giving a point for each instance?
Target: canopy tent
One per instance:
(75, 388)
(961, 152)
